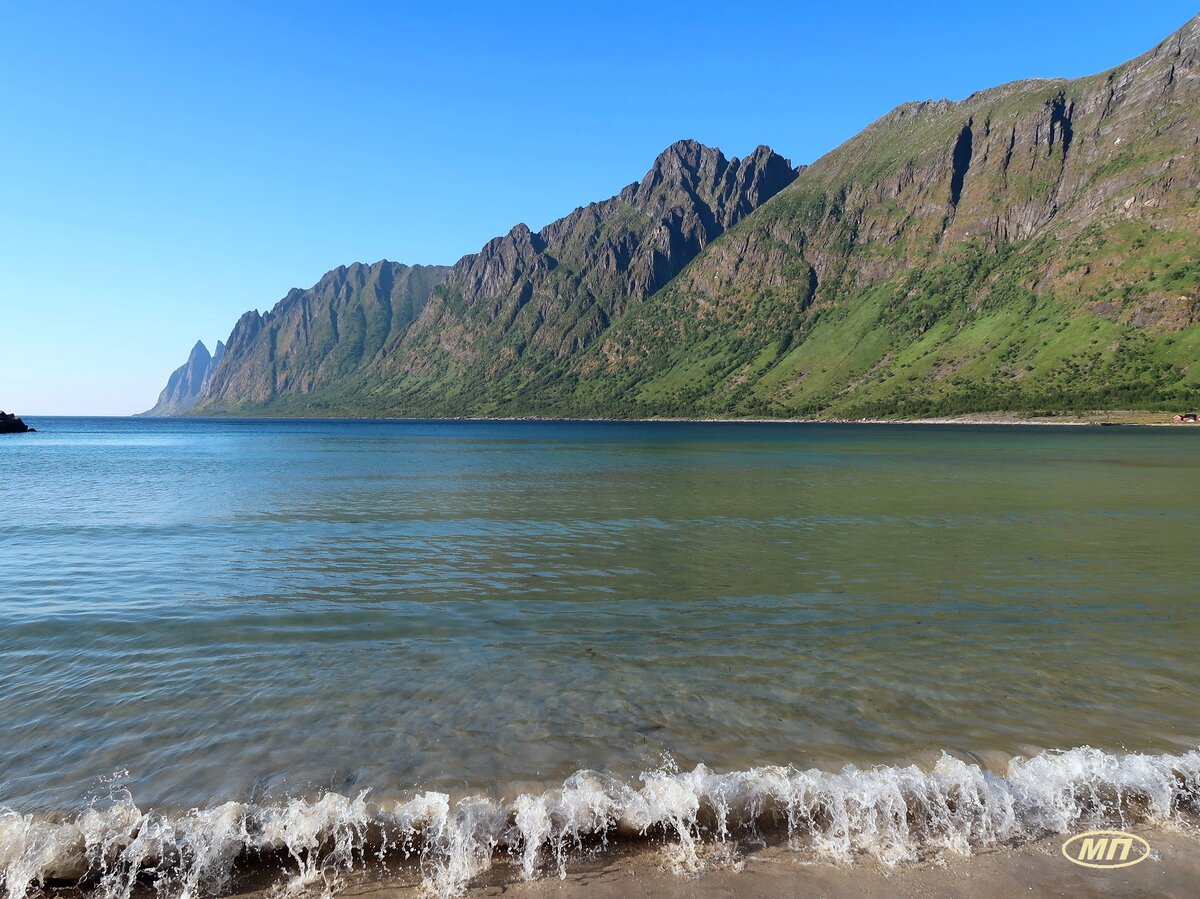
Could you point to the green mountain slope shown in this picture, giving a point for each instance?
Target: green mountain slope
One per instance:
(1033, 247)
(1036, 246)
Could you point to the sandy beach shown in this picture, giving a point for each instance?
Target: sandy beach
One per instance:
(1035, 869)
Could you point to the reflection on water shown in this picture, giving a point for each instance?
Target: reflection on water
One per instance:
(252, 609)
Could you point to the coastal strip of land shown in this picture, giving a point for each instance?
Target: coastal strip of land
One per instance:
(1096, 417)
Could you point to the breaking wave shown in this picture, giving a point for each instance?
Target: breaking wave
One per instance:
(892, 814)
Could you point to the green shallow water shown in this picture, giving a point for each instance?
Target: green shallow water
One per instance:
(207, 610)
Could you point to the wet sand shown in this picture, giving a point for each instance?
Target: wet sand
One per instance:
(1037, 869)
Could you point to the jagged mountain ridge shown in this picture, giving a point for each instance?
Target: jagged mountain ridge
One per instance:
(524, 298)
(187, 382)
(594, 264)
(1031, 247)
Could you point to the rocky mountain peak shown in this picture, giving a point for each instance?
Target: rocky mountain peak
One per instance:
(188, 381)
(556, 289)
(684, 162)
(757, 178)
(199, 354)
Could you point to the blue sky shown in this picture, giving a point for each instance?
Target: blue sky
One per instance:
(169, 166)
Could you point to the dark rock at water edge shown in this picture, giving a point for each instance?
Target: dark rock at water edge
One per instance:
(10, 424)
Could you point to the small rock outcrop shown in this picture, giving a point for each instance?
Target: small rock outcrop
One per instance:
(10, 424)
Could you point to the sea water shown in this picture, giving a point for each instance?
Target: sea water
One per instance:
(326, 644)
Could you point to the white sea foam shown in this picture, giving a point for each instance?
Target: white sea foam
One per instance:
(892, 814)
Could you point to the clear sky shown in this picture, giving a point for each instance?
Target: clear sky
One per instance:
(168, 166)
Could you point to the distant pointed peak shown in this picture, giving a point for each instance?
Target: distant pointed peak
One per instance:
(763, 157)
(763, 151)
(689, 150)
(523, 236)
(680, 162)
(518, 233)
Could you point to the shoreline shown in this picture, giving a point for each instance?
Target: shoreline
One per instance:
(760, 832)
(1037, 868)
(1094, 418)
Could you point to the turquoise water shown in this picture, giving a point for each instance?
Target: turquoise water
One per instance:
(212, 610)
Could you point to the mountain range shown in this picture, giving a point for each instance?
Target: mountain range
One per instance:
(1033, 247)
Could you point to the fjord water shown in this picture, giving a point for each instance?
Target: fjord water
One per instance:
(199, 611)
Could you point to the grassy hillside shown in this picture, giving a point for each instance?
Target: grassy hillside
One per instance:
(1035, 247)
